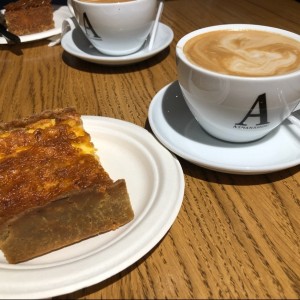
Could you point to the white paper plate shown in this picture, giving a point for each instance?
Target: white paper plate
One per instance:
(155, 184)
(59, 14)
(177, 129)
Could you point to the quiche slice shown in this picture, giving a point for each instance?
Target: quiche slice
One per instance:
(53, 189)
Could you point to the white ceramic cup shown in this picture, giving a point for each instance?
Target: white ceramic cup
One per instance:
(115, 29)
(236, 108)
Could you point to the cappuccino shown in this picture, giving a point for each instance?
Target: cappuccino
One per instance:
(253, 101)
(106, 1)
(246, 52)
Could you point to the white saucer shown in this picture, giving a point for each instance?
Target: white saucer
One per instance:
(75, 43)
(59, 14)
(176, 128)
(126, 151)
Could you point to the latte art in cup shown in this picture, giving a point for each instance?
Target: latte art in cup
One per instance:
(249, 53)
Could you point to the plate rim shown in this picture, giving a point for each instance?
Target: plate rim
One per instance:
(211, 165)
(154, 236)
(57, 11)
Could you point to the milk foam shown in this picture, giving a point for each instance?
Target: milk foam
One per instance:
(244, 52)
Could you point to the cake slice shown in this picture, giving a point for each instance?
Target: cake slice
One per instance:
(53, 189)
(24, 17)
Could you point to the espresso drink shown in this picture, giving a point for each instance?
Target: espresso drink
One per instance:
(106, 1)
(249, 53)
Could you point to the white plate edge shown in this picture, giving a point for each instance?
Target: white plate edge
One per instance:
(44, 34)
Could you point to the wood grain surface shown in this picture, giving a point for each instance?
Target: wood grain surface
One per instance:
(235, 236)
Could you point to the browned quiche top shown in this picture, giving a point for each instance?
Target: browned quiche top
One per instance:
(43, 158)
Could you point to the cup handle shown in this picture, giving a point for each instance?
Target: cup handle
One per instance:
(297, 107)
(67, 25)
(156, 24)
(69, 2)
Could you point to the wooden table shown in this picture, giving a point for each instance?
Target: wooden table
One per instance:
(236, 236)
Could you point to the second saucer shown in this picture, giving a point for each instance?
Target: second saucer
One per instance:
(75, 43)
(177, 129)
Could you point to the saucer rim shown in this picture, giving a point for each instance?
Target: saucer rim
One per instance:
(204, 162)
(119, 60)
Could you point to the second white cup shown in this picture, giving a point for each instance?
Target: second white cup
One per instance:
(115, 28)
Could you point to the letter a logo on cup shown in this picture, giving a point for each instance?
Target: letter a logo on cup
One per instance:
(90, 31)
(261, 101)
